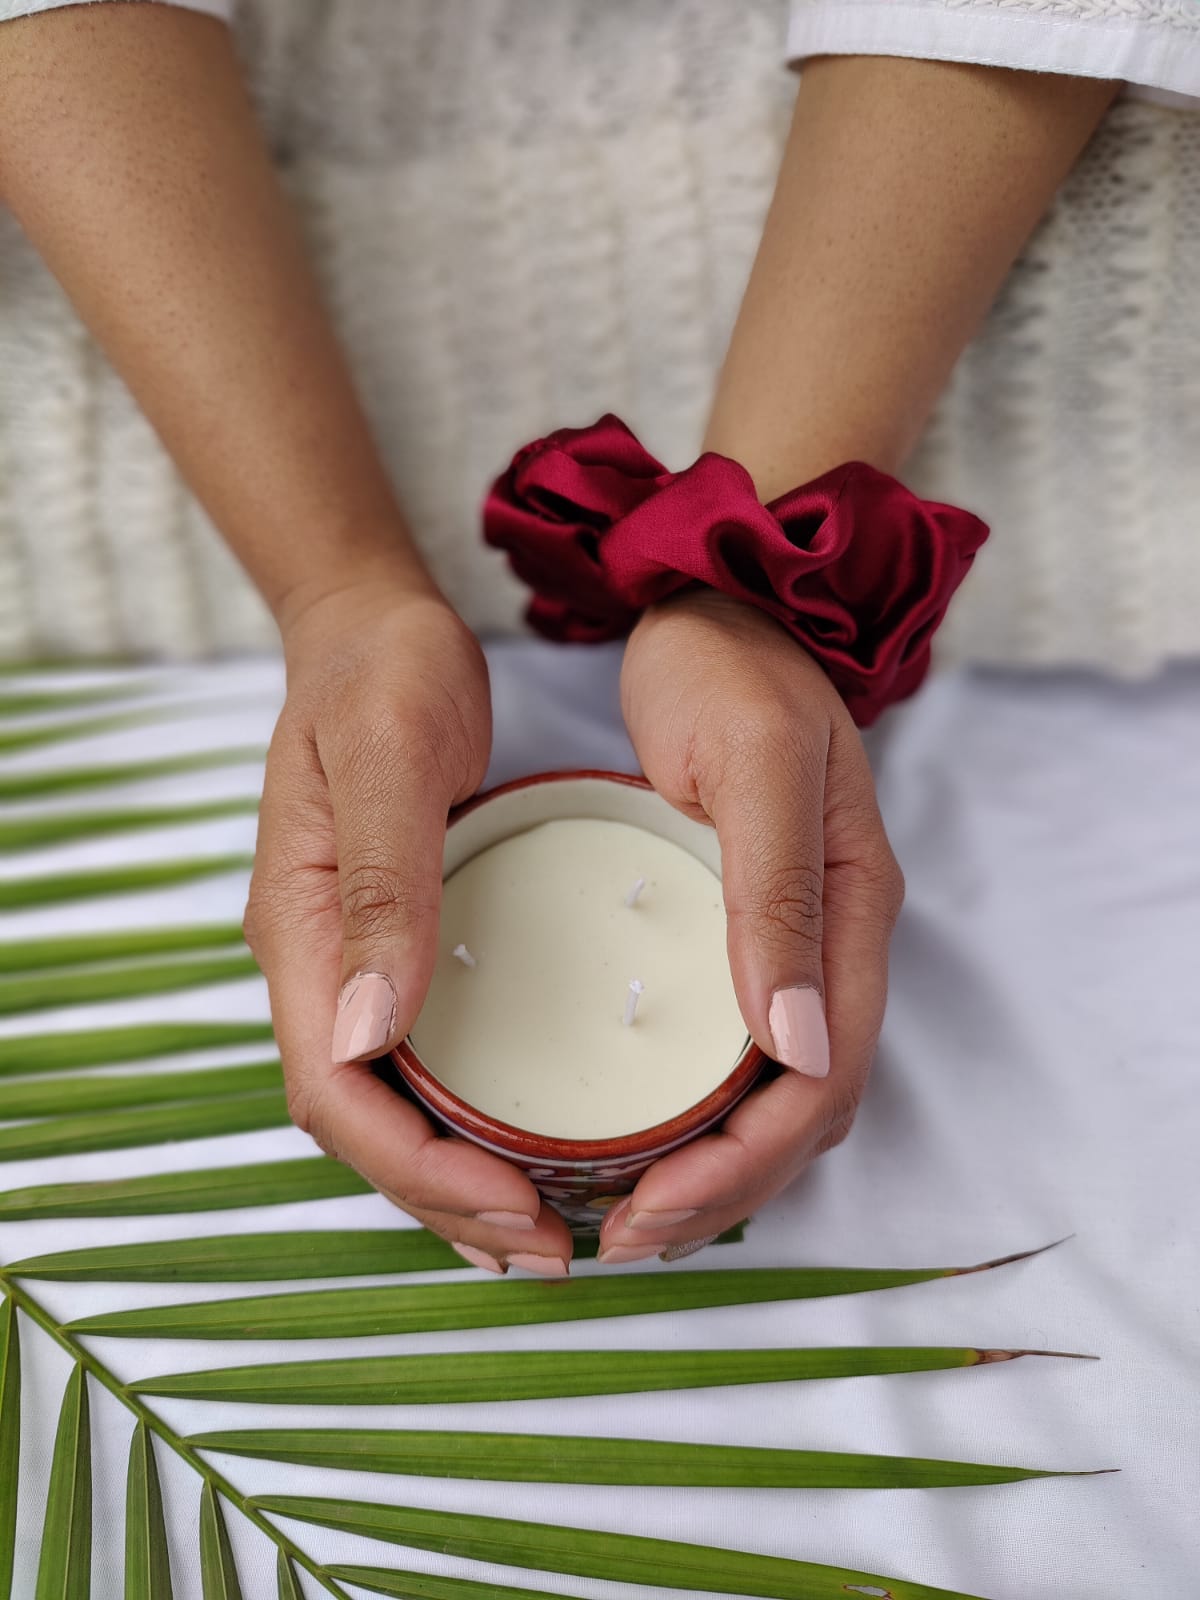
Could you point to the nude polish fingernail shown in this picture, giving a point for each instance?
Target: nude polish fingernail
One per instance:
(479, 1258)
(544, 1266)
(677, 1252)
(519, 1221)
(798, 1031)
(659, 1219)
(616, 1255)
(366, 1015)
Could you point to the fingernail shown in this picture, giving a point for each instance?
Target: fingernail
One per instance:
(544, 1266)
(659, 1219)
(366, 1015)
(518, 1220)
(479, 1258)
(618, 1254)
(677, 1252)
(798, 1031)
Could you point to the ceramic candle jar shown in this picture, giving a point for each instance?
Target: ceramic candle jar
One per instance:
(581, 1022)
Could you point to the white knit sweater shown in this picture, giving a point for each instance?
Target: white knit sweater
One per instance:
(527, 214)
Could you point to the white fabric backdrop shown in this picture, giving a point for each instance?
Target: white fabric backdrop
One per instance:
(1038, 1076)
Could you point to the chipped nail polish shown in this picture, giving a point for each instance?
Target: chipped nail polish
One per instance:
(678, 1252)
(366, 1015)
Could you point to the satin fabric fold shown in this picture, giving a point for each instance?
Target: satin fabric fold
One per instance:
(854, 565)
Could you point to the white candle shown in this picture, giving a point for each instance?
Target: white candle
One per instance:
(532, 1034)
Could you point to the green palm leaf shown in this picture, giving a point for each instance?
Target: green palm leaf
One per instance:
(50, 889)
(173, 711)
(80, 986)
(65, 780)
(585, 1553)
(261, 1257)
(61, 827)
(36, 702)
(285, 1577)
(53, 1097)
(549, 1458)
(249, 1258)
(64, 1572)
(218, 1574)
(429, 1586)
(147, 1565)
(266, 1183)
(484, 1375)
(10, 1440)
(76, 949)
(436, 1307)
(21, 1054)
(124, 1130)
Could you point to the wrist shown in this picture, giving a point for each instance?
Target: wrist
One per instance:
(356, 586)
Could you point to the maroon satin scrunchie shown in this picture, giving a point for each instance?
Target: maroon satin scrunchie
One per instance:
(854, 565)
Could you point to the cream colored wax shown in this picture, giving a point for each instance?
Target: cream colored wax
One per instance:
(532, 1034)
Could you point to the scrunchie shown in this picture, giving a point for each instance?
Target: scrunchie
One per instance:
(855, 566)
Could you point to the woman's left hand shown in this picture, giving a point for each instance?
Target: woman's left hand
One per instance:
(737, 726)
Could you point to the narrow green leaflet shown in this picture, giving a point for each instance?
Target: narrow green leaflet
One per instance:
(218, 1574)
(551, 1458)
(435, 1307)
(429, 1586)
(122, 1130)
(81, 986)
(261, 1257)
(486, 1375)
(586, 1553)
(52, 1097)
(26, 738)
(249, 1258)
(55, 887)
(173, 711)
(10, 1440)
(77, 949)
(25, 1053)
(58, 827)
(147, 1566)
(64, 1572)
(265, 1183)
(64, 780)
(35, 702)
(287, 1582)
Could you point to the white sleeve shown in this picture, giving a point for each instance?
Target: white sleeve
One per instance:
(1153, 46)
(9, 9)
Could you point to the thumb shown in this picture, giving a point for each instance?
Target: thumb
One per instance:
(769, 814)
(389, 827)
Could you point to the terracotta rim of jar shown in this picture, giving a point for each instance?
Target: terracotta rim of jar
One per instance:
(520, 1141)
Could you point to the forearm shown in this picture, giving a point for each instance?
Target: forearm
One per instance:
(130, 154)
(906, 192)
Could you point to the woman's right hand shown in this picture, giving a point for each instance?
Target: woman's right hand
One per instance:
(386, 726)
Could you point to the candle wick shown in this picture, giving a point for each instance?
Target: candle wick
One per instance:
(631, 899)
(461, 953)
(636, 989)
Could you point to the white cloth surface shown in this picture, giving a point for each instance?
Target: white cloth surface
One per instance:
(1037, 1078)
(1152, 46)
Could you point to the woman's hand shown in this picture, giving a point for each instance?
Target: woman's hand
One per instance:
(387, 725)
(735, 725)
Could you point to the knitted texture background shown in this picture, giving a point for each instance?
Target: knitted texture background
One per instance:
(525, 215)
